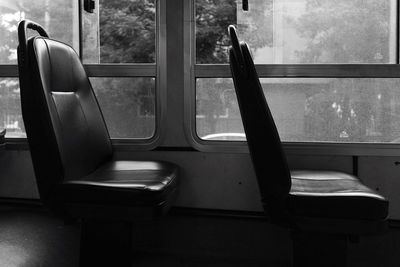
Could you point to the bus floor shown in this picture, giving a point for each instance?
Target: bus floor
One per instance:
(30, 236)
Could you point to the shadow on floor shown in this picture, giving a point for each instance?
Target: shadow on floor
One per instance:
(30, 236)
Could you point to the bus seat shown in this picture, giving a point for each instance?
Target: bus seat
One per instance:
(323, 209)
(72, 154)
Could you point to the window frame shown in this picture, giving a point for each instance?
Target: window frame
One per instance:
(156, 70)
(280, 71)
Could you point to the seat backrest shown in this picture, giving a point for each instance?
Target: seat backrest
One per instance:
(66, 131)
(263, 140)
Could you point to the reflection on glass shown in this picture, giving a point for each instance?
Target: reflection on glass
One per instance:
(307, 109)
(10, 108)
(299, 31)
(128, 106)
(120, 32)
(58, 17)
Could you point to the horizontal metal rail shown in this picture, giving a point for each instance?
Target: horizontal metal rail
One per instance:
(306, 70)
(99, 70)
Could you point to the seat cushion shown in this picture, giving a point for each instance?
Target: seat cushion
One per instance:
(123, 183)
(334, 195)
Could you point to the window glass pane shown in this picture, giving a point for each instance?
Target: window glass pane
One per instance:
(307, 109)
(123, 31)
(299, 31)
(128, 105)
(58, 17)
(10, 108)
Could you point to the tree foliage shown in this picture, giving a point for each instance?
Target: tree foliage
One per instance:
(345, 31)
(213, 18)
(127, 31)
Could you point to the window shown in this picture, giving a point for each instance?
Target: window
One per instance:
(120, 31)
(307, 109)
(65, 27)
(299, 31)
(118, 44)
(127, 105)
(10, 108)
(120, 38)
(353, 97)
(316, 59)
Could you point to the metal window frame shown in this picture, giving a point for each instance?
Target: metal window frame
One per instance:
(194, 71)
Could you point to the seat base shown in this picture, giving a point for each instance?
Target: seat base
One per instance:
(332, 194)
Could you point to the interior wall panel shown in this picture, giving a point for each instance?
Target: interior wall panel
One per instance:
(16, 175)
(383, 174)
(208, 180)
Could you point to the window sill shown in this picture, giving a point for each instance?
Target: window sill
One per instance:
(305, 148)
(293, 148)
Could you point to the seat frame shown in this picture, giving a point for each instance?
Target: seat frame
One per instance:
(106, 230)
(317, 241)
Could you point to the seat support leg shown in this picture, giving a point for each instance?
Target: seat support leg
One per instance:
(106, 243)
(313, 249)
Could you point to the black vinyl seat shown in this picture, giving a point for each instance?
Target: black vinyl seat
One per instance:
(124, 183)
(72, 154)
(316, 205)
(331, 194)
